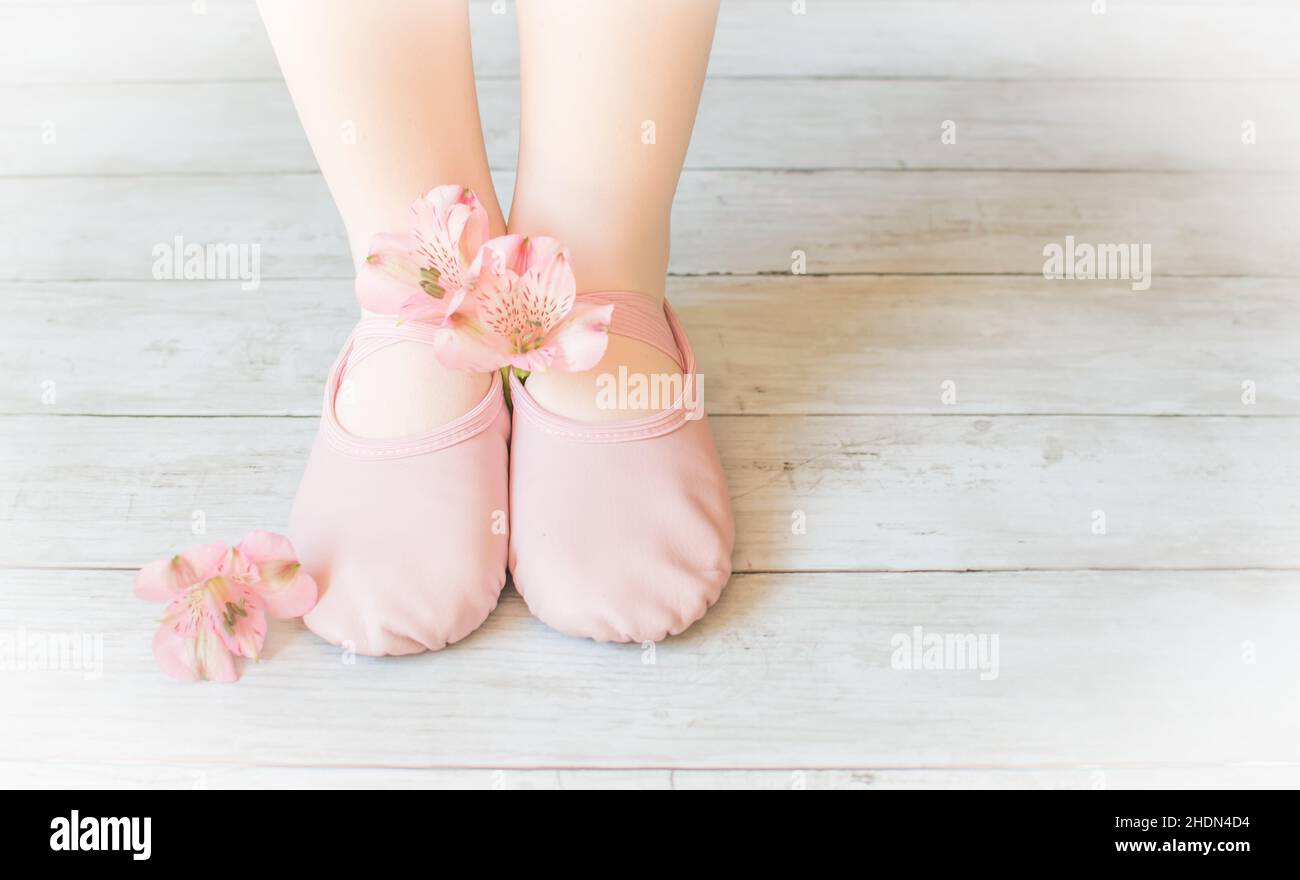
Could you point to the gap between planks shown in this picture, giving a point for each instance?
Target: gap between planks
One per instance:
(153, 129)
(768, 345)
(736, 690)
(248, 774)
(843, 222)
(877, 492)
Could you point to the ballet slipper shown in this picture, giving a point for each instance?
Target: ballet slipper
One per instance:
(620, 531)
(406, 538)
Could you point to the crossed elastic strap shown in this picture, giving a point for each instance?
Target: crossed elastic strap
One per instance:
(639, 317)
(372, 335)
(636, 316)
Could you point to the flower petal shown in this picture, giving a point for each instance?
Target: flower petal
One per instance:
(213, 659)
(551, 285)
(448, 226)
(463, 344)
(443, 197)
(518, 313)
(579, 343)
(421, 308)
(536, 360)
(238, 617)
(262, 546)
(497, 262)
(467, 225)
(175, 655)
(163, 580)
(389, 274)
(287, 590)
(539, 252)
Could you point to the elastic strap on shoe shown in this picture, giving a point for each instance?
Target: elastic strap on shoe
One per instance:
(638, 317)
(648, 320)
(373, 334)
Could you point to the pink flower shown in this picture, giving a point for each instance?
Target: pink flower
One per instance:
(218, 600)
(506, 302)
(421, 275)
(523, 312)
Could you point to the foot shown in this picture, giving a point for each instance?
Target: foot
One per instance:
(402, 391)
(640, 370)
(621, 527)
(401, 520)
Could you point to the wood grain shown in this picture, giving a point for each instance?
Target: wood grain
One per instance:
(16, 775)
(1158, 654)
(767, 345)
(837, 38)
(877, 492)
(191, 128)
(843, 221)
(786, 672)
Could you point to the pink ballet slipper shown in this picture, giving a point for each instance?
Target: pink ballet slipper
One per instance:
(407, 538)
(623, 531)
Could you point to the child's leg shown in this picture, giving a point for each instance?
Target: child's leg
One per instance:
(619, 532)
(386, 94)
(609, 96)
(400, 536)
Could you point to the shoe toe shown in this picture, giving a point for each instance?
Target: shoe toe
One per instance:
(624, 542)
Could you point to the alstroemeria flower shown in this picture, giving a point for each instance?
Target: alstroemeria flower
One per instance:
(524, 312)
(421, 274)
(218, 598)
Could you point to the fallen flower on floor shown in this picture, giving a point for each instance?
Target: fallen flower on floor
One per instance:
(219, 598)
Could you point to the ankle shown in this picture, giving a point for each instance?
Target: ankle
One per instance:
(630, 382)
(402, 390)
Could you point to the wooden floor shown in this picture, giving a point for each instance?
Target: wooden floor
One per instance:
(952, 428)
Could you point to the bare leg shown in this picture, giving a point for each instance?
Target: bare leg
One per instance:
(609, 91)
(386, 94)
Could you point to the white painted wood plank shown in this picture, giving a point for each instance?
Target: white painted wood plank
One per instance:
(201, 776)
(955, 39)
(786, 672)
(877, 492)
(963, 39)
(251, 127)
(1118, 678)
(767, 345)
(734, 222)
